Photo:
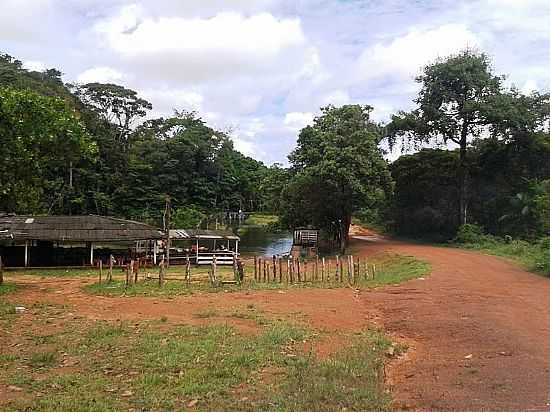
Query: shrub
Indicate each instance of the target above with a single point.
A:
(470, 233)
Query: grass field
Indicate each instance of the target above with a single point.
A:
(66, 363)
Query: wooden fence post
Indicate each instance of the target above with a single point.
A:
(111, 259)
(255, 269)
(337, 268)
(161, 272)
(100, 271)
(274, 268)
(1, 271)
(373, 271)
(136, 271)
(188, 271)
(323, 270)
(265, 271)
(299, 270)
(287, 271)
(280, 270)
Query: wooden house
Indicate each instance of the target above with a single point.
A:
(43, 241)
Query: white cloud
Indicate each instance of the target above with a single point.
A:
(296, 121)
(404, 56)
(201, 49)
(100, 75)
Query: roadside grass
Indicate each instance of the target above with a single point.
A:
(148, 366)
(6, 288)
(390, 269)
(535, 257)
(260, 219)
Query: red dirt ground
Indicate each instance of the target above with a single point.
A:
(478, 328)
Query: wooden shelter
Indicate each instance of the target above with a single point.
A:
(73, 240)
(201, 246)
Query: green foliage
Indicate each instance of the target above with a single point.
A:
(470, 233)
(337, 169)
(116, 169)
(534, 256)
(40, 138)
(462, 99)
(187, 218)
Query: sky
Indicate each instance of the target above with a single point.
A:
(261, 69)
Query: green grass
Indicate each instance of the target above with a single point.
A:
(57, 273)
(153, 366)
(260, 219)
(6, 288)
(534, 257)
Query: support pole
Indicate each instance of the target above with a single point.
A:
(26, 253)
(154, 252)
(91, 254)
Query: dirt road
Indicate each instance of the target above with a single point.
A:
(478, 328)
(481, 332)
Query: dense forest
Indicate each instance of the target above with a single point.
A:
(482, 158)
(85, 149)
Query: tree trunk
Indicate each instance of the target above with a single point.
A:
(344, 233)
(463, 176)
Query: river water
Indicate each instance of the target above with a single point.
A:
(259, 242)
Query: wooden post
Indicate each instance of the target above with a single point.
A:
(127, 275)
(305, 270)
(274, 268)
(167, 224)
(161, 272)
(215, 271)
(255, 269)
(136, 271)
(240, 270)
(337, 268)
(188, 271)
(351, 266)
(299, 271)
(373, 271)
(154, 252)
(280, 270)
(26, 253)
(1, 271)
(287, 271)
(235, 270)
(100, 271)
(91, 254)
(323, 269)
(291, 263)
(341, 272)
(316, 268)
(111, 259)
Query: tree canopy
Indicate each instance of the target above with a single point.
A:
(337, 168)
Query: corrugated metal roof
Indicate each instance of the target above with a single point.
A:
(75, 228)
(202, 234)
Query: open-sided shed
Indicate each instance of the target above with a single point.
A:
(201, 246)
(71, 240)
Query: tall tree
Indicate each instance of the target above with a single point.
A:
(116, 104)
(41, 138)
(337, 166)
(454, 106)
(462, 99)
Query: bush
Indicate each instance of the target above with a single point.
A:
(470, 233)
(544, 243)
